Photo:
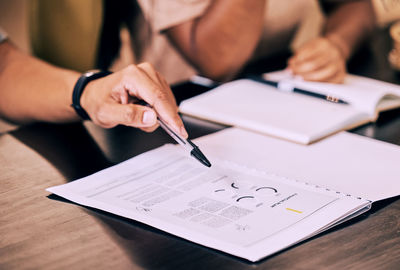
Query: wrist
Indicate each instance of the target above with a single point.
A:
(79, 88)
(70, 79)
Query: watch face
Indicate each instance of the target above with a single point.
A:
(88, 73)
(3, 35)
(91, 72)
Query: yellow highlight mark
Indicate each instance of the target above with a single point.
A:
(297, 211)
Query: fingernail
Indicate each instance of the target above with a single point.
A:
(149, 117)
(184, 132)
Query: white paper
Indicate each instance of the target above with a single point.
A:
(345, 162)
(239, 210)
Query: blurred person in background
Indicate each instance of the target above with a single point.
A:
(218, 38)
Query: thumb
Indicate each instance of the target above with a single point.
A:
(128, 115)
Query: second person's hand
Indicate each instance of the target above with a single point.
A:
(319, 60)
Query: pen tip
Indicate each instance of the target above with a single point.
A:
(196, 153)
(207, 163)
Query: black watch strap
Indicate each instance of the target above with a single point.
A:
(80, 86)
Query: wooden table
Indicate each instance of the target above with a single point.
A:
(38, 231)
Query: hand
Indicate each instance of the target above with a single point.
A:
(109, 100)
(319, 60)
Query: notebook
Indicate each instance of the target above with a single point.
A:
(253, 201)
(300, 118)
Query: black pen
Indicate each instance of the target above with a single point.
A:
(298, 90)
(193, 149)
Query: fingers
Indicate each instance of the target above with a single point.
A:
(321, 69)
(308, 50)
(329, 73)
(109, 100)
(120, 95)
(311, 64)
(145, 83)
(319, 60)
(149, 129)
(112, 114)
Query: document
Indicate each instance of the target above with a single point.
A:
(244, 204)
(300, 118)
(346, 162)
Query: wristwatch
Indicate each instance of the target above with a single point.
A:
(3, 35)
(80, 86)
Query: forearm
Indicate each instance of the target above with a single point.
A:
(32, 90)
(220, 42)
(349, 24)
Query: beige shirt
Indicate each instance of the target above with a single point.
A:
(286, 25)
(66, 32)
